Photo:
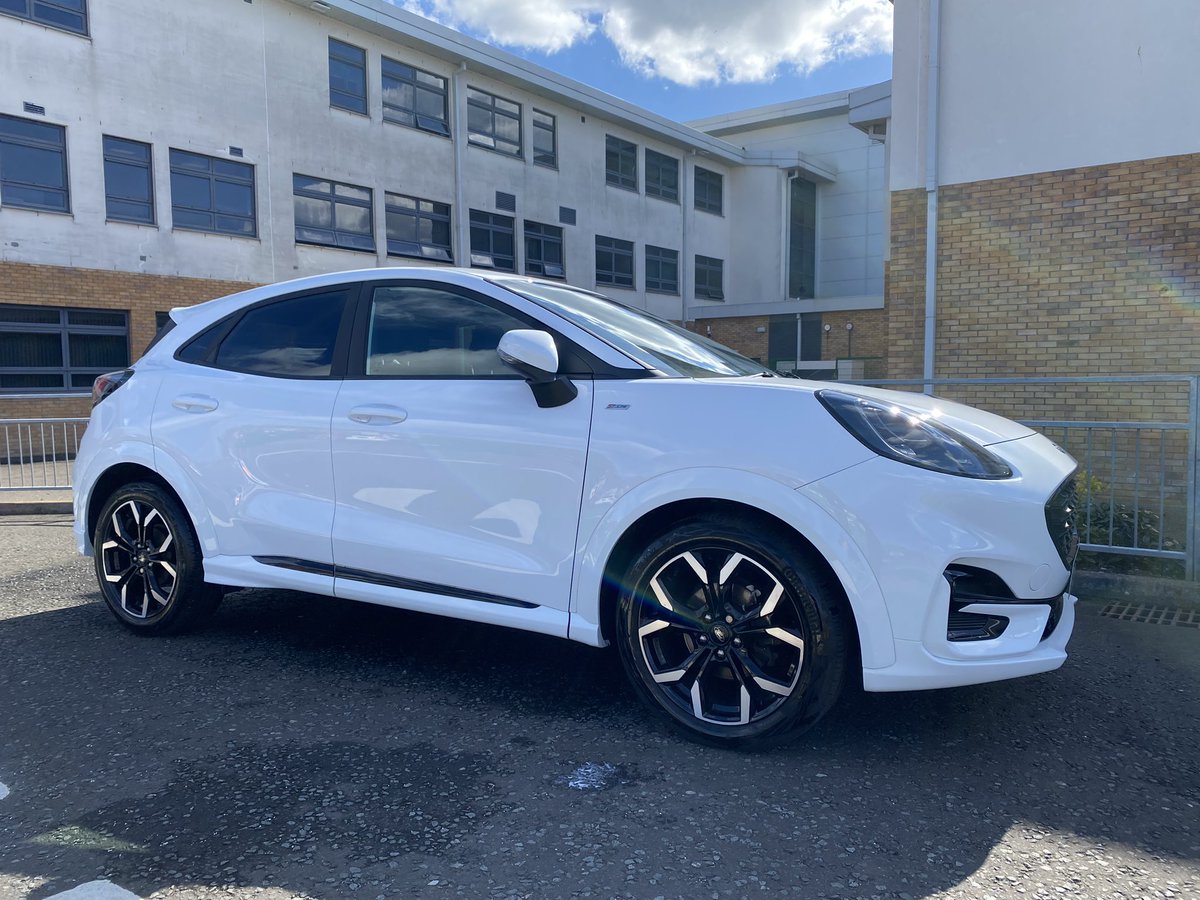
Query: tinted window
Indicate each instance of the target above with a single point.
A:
(427, 333)
(210, 194)
(128, 181)
(620, 162)
(69, 15)
(347, 77)
(33, 165)
(52, 348)
(414, 98)
(292, 338)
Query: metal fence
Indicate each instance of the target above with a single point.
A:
(1135, 438)
(38, 454)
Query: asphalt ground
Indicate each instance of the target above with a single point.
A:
(302, 746)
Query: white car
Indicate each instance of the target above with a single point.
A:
(524, 453)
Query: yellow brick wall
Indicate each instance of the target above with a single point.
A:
(140, 295)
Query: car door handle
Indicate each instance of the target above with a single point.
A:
(377, 415)
(195, 403)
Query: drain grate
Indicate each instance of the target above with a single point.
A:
(1152, 615)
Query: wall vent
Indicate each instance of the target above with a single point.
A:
(566, 215)
(506, 202)
(236, 151)
(34, 109)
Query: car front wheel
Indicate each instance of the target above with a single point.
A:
(148, 562)
(728, 628)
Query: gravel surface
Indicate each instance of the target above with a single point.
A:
(303, 746)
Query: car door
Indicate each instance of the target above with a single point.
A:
(455, 491)
(246, 414)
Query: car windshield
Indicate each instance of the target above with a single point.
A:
(649, 339)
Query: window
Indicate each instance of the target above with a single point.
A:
(614, 262)
(414, 98)
(51, 349)
(662, 270)
(418, 228)
(545, 139)
(292, 338)
(710, 277)
(620, 162)
(802, 239)
(492, 241)
(428, 332)
(209, 194)
(33, 164)
(333, 214)
(544, 250)
(493, 122)
(128, 181)
(69, 15)
(347, 77)
(662, 176)
(708, 190)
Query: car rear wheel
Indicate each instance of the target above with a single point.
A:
(730, 630)
(148, 562)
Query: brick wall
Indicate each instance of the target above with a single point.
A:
(739, 333)
(140, 295)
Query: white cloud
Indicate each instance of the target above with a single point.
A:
(686, 41)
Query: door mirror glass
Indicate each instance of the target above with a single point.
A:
(532, 353)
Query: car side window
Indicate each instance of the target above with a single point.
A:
(426, 332)
(293, 338)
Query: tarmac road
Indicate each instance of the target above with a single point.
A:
(302, 746)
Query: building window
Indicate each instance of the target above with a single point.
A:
(802, 239)
(493, 122)
(492, 241)
(128, 181)
(614, 262)
(417, 228)
(414, 98)
(662, 270)
(209, 194)
(69, 15)
(347, 77)
(45, 348)
(33, 165)
(710, 278)
(620, 162)
(333, 214)
(545, 139)
(662, 176)
(544, 250)
(708, 190)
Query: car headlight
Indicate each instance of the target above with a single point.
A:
(912, 437)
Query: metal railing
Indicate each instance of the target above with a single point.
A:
(38, 454)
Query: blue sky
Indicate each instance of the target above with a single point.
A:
(687, 59)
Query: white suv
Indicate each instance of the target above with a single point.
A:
(524, 453)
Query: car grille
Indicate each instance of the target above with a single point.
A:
(1060, 521)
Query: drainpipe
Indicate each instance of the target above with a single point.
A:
(462, 220)
(931, 189)
(685, 203)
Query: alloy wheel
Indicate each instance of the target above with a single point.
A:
(138, 559)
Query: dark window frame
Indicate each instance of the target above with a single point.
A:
(705, 268)
(706, 182)
(214, 179)
(30, 14)
(488, 140)
(148, 165)
(45, 146)
(656, 258)
(64, 328)
(334, 200)
(542, 158)
(436, 213)
(538, 236)
(357, 60)
(620, 163)
(411, 117)
(656, 164)
(493, 224)
(608, 250)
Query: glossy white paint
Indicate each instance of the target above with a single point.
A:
(530, 349)
(466, 486)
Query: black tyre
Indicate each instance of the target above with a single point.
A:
(729, 630)
(148, 562)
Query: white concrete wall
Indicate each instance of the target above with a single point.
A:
(1035, 86)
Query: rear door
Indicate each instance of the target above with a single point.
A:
(247, 416)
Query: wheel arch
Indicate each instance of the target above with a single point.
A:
(651, 508)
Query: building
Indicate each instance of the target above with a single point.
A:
(150, 159)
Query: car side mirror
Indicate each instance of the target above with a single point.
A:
(534, 355)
